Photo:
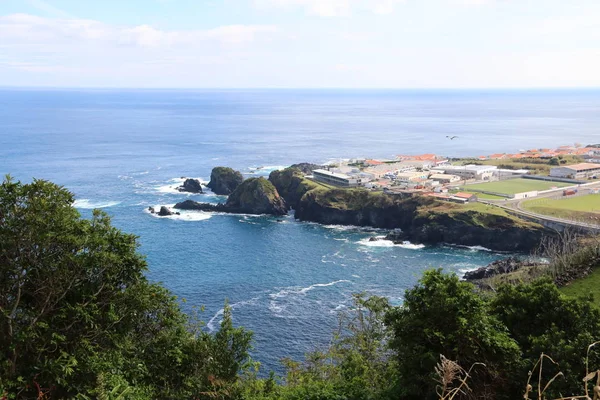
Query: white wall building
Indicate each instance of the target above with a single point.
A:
(334, 178)
(576, 171)
(477, 172)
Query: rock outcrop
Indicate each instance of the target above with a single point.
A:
(253, 196)
(164, 212)
(306, 168)
(191, 186)
(504, 266)
(420, 219)
(224, 180)
(289, 183)
(257, 196)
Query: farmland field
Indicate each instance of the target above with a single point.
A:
(519, 185)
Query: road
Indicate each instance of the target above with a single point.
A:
(516, 206)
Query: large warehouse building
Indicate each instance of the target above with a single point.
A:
(576, 171)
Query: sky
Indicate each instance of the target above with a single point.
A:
(300, 43)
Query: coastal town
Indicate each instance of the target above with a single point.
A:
(495, 177)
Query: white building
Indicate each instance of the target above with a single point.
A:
(576, 171)
(444, 178)
(406, 177)
(477, 172)
(334, 178)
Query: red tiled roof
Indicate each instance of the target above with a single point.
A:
(464, 195)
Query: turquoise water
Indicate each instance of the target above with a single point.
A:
(125, 150)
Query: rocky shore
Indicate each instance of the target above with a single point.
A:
(416, 219)
(253, 196)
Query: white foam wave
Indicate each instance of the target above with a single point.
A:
(288, 291)
(171, 187)
(184, 215)
(382, 242)
(90, 204)
(479, 248)
(211, 322)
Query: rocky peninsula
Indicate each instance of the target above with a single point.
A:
(253, 196)
(417, 219)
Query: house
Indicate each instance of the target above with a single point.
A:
(576, 171)
(462, 197)
(444, 178)
(408, 177)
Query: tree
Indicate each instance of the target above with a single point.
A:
(78, 317)
(541, 319)
(554, 161)
(444, 316)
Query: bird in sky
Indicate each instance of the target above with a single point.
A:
(451, 137)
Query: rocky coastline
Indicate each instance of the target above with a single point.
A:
(416, 219)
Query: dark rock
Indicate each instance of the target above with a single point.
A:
(224, 180)
(164, 211)
(374, 239)
(498, 267)
(151, 209)
(191, 186)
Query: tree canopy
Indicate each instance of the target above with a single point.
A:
(78, 317)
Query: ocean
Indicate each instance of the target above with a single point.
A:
(125, 150)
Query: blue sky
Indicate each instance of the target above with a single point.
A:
(300, 43)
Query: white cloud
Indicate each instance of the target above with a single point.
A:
(25, 28)
(333, 8)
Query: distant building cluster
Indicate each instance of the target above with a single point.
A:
(432, 175)
(576, 150)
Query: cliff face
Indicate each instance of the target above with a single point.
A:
(257, 196)
(355, 207)
(253, 196)
(224, 180)
(421, 219)
(464, 228)
(289, 184)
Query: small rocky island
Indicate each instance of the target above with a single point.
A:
(191, 186)
(253, 196)
(224, 180)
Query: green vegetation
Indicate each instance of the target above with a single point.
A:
(590, 285)
(519, 185)
(585, 207)
(78, 319)
(537, 166)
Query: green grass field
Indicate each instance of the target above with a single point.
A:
(585, 286)
(587, 206)
(519, 185)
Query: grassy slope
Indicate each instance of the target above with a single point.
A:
(582, 287)
(519, 185)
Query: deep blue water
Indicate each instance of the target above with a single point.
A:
(125, 150)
